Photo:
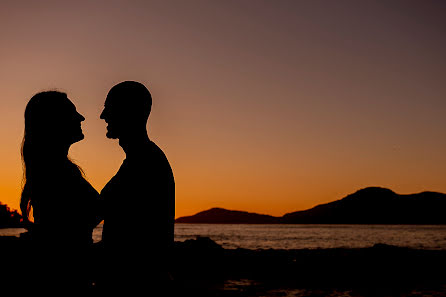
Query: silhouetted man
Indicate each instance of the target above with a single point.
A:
(139, 200)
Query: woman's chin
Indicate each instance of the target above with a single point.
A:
(79, 137)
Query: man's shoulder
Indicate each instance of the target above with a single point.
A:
(154, 152)
(149, 159)
(154, 148)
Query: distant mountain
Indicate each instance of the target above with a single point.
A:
(376, 206)
(224, 216)
(371, 205)
(8, 218)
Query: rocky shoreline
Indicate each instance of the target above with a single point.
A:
(203, 268)
(367, 271)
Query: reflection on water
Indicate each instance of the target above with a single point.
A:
(302, 236)
(316, 236)
(253, 288)
(11, 231)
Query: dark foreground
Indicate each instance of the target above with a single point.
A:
(381, 270)
(203, 268)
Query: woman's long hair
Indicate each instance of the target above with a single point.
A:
(41, 112)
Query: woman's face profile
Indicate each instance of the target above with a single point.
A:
(64, 122)
(52, 120)
(71, 121)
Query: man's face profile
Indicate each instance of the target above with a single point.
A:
(126, 109)
(110, 116)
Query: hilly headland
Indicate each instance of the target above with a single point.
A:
(372, 205)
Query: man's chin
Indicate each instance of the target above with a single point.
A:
(111, 135)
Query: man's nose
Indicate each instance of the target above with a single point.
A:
(81, 117)
(102, 116)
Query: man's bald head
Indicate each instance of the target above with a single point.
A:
(127, 108)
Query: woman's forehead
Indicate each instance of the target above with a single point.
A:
(63, 106)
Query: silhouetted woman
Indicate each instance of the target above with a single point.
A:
(64, 205)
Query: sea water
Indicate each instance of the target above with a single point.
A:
(303, 236)
(316, 236)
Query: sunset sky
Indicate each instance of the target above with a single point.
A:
(264, 106)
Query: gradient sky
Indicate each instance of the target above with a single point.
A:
(266, 106)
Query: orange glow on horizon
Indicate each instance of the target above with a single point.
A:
(259, 107)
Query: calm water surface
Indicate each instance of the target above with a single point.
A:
(316, 236)
(304, 236)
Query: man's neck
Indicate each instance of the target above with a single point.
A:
(133, 143)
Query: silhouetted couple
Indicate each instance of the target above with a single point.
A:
(137, 204)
